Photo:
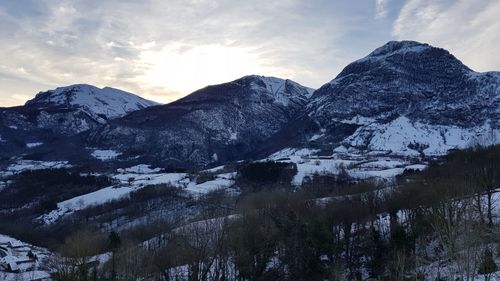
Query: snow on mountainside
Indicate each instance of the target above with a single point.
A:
(256, 89)
(106, 103)
(55, 115)
(410, 98)
(403, 137)
(278, 87)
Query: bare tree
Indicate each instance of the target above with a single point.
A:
(457, 230)
(73, 260)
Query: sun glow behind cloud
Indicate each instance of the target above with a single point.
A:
(163, 50)
(182, 69)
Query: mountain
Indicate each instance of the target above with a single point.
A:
(407, 98)
(216, 124)
(101, 104)
(62, 113)
(404, 99)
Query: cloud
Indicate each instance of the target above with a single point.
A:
(468, 29)
(381, 8)
(175, 47)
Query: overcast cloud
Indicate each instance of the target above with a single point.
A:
(164, 50)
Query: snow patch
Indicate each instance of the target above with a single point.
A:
(132, 179)
(105, 154)
(140, 169)
(33, 144)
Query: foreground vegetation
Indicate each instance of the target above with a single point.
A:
(439, 224)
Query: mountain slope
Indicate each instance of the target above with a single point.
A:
(105, 103)
(61, 113)
(408, 98)
(72, 109)
(218, 123)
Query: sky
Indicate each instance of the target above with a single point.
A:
(165, 49)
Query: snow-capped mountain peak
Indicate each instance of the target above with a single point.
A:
(399, 47)
(106, 103)
(406, 57)
(408, 97)
(254, 88)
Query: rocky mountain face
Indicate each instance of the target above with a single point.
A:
(219, 123)
(407, 98)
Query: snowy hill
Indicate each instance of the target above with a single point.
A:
(219, 123)
(107, 103)
(57, 115)
(408, 98)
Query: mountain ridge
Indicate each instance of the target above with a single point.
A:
(61, 114)
(402, 85)
(217, 123)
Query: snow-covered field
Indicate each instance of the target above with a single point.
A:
(132, 179)
(105, 155)
(377, 166)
